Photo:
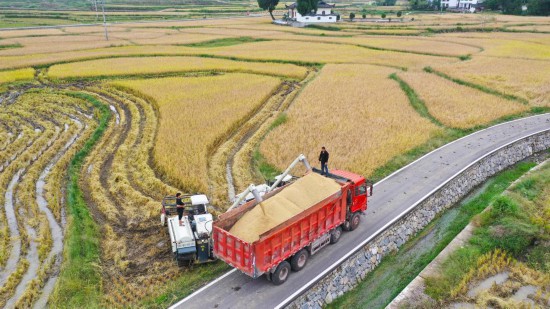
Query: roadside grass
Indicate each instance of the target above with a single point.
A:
(516, 223)
(225, 42)
(397, 270)
(79, 284)
(187, 284)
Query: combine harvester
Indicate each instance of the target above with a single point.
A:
(191, 241)
(277, 232)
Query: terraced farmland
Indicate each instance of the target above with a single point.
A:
(94, 133)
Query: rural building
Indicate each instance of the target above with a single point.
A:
(324, 14)
(461, 4)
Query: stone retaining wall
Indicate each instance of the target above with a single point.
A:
(348, 274)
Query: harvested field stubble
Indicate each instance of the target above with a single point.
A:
(34, 245)
(456, 105)
(359, 118)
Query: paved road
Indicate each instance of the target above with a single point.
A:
(393, 196)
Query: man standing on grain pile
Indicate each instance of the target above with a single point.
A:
(323, 157)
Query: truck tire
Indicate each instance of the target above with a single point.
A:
(299, 260)
(335, 235)
(354, 221)
(281, 273)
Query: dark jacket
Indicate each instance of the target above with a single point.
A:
(323, 156)
(179, 202)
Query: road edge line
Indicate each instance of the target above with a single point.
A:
(202, 289)
(404, 213)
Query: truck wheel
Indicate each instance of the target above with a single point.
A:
(355, 220)
(299, 260)
(281, 273)
(335, 235)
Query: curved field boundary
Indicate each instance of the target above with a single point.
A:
(79, 274)
(394, 198)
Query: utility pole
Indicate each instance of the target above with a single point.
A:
(104, 20)
(96, 12)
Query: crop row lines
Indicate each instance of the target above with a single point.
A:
(32, 262)
(123, 192)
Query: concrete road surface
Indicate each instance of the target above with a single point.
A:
(393, 196)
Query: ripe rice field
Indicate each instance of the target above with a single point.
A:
(158, 65)
(94, 133)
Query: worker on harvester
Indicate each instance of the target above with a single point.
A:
(180, 207)
(323, 158)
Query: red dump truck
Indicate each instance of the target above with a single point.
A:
(288, 245)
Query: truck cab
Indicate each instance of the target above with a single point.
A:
(358, 192)
(356, 196)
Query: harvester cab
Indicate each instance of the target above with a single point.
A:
(191, 240)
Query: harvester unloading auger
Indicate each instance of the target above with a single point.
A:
(281, 179)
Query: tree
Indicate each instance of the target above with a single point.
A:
(351, 16)
(305, 7)
(383, 15)
(268, 5)
(399, 13)
(538, 7)
(534, 7)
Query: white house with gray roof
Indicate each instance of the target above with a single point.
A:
(324, 14)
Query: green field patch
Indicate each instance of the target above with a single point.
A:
(79, 284)
(225, 42)
(9, 46)
(415, 101)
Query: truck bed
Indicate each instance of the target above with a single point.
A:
(255, 238)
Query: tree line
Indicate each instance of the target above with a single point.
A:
(515, 7)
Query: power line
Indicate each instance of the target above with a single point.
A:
(104, 19)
